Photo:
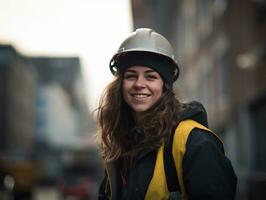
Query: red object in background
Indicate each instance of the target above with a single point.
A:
(75, 182)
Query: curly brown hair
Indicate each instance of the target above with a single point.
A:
(119, 134)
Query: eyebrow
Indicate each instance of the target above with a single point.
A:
(147, 71)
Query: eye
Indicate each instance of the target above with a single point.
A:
(130, 76)
(152, 76)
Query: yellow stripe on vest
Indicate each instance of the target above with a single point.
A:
(157, 189)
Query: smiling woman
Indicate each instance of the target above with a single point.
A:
(147, 136)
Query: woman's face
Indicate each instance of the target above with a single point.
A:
(142, 87)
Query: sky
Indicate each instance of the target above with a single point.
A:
(90, 29)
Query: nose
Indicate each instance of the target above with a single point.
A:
(140, 82)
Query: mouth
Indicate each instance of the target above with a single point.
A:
(140, 96)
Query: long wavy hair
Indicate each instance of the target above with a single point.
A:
(119, 135)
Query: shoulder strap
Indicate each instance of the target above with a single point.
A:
(169, 167)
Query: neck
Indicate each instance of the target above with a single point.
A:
(138, 116)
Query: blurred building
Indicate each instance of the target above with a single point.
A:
(221, 49)
(43, 115)
(17, 120)
(61, 105)
(63, 122)
(17, 100)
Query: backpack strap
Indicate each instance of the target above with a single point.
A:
(169, 167)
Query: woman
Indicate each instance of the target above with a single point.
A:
(139, 115)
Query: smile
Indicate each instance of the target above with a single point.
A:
(140, 95)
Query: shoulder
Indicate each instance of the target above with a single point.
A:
(199, 137)
(203, 147)
(192, 134)
(207, 172)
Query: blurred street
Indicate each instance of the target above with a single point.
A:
(44, 193)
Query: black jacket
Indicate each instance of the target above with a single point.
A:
(207, 172)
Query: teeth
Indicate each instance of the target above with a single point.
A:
(140, 95)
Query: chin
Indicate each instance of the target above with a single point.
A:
(140, 110)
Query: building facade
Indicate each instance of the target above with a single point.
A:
(18, 87)
(220, 47)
